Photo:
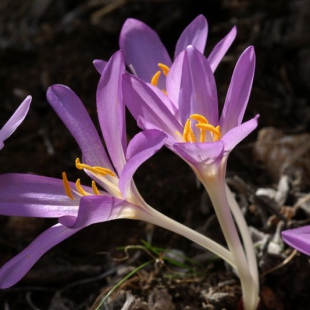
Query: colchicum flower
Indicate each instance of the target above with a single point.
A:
(14, 121)
(186, 109)
(298, 238)
(143, 49)
(78, 206)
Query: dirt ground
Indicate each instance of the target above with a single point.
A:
(44, 42)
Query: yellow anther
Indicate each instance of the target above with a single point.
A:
(80, 188)
(95, 188)
(155, 78)
(215, 130)
(67, 186)
(188, 134)
(199, 118)
(204, 126)
(164, 68)
(95, 169)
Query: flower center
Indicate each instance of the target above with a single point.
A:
(204, 127)
(94, 169)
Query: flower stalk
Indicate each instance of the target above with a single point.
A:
(217, 192)
(161, 220)
(245, 235)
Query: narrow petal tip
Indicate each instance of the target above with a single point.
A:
(99, 65)
(15, 120)
(250, 51)
(55, 89)
(195, 33)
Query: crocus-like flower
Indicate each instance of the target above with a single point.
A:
(143, 49)
(186, 109)
(298, 238)
(14, 121)
(75, 206)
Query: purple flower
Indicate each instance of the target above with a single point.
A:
(74, 205)
(187, 110)
(15, 120)
(143, 49)
(298, 238)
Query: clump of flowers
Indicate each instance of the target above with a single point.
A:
(112, 194)
(175, 103)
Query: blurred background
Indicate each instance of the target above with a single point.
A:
(43, 42)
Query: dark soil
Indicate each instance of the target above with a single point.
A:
(44, 42)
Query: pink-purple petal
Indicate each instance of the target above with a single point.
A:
(72, 112)
(298, 238)
(99, 65)
(143, 146)
(198, 93)
(143, 50)
(17, 267)
(200, 154)
(165, 99)
(194, 34)
(94, 209)
(221, 48)
(35, 196)
(239, 91)
(145, 125)
(237, 134)
(144, 143)
(142, 101)
(111, 110)
(15, 120)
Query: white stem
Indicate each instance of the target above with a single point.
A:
(245, 235)
(159, 219)
(217, 192)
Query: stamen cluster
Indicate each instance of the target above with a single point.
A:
(204, 126)
(96, 170)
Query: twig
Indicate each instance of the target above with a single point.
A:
(287, 260)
